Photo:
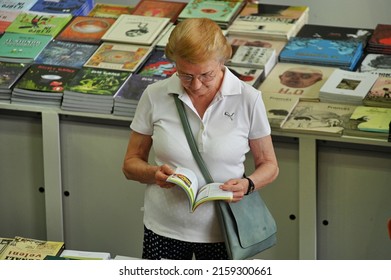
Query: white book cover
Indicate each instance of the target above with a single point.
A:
(249, 56)
(279, 107)
(136, 29)
(347, 86)
(377, 64)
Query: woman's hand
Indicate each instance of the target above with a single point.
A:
(162, 174)
(237, 186)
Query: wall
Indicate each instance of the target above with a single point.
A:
(348, 13)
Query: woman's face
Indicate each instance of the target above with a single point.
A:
(201, 78)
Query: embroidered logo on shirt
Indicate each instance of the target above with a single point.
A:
(231, 116)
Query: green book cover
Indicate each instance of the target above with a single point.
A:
(30, 22)
(22, 47)
(102, 82)
(46, 78)
(217, 10)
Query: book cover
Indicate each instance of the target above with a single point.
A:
(85, 255)
(22, 248)
(256, 57)
(330, 32)
(22, 47)
(165, 35)
(251, 76)
(42, 78)
(319, 118)
(85, 29)
(159, 8)
(279, 107)
(73, 7)
(345, 86)
(236, 40)
(381, 37)
(322, 52)
(303, 81)
(371, 119)
(222, 12)
(102, 83)
(377, 64)
(380, 93)
(16, 5)
(110, 10)
(4, 241)
(29, 22)
(64, 53)
(119, 56)
(6, 18)
(10, 72)
(187, 180)
(290, 13)
(136, 29)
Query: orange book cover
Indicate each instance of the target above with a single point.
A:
(110, 10)
(159, 8)
(85, 29)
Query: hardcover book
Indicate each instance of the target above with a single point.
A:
(187, 181)
(22, 48)
(16, 5)
(159, 8)
(10, 72)
(279, 107)
(6, 18)
(73, 7)
(380, 41)
(223, 12)
(64, 53)
(30, 22)
(380, 93)
(372, 119)
(236, 40)
(22, 248)
(301, 80)
(336, 53)
(319, 118)
(117, 56)
(110, 10)
(135, 29)
(377, 64)
(85, 29)
(347, 87)
(335, 33)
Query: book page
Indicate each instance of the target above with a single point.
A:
(187, 180)
(211, 192)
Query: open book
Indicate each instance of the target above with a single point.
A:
(187, 180)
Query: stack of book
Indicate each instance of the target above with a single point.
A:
(223, 12)
(269, 21)
(347, 87)
(42, 85)
(380, 41)
(324, 52)
(10, 72)
(73, 7)
(156, 68)
(92, 90)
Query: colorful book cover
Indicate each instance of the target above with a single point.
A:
(321, 51)
(292, 13)
(373, 119)
(157, 65)
(64, 53)
(22, 47)
(39, 23)
(10, 72)
(110, 10)
(380, 93)
(381, 36)
(294, 79)
(101, 82)
(159, 8)
(74, 7)
(17, 5)
(136, 29)
(222, 11)
(118, 56)
(46, 78)
(6, 18)
(85, 29)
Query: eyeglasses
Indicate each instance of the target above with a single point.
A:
(203, 78)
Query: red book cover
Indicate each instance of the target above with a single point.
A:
(159, 8)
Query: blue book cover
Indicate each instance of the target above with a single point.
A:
(74, 7)
(321, 51)
(63, 53)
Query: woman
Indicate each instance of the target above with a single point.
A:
(227, 118)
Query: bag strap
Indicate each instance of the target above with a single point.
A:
(191, 140)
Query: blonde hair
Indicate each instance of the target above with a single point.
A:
(198, 40)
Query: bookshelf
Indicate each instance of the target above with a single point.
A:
(324, 181)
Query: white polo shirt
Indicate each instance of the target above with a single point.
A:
(236, 115)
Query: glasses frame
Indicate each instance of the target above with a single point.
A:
(203, 78)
